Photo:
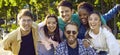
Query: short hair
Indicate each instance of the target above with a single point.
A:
(66, 4)
(71, 23)
(86, 5)
(25, 12)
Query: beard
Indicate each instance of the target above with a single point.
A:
(71, 41)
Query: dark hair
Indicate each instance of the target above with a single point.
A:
(71, 23)
(57, 32)
(87, 36)
(25, 12)
(86, 5)
(66, 4)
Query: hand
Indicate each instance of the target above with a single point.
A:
(55, 44)
(47, 44)
(86, 43)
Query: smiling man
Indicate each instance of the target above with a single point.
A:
(23, 40)
(72, 45)
(66, 15)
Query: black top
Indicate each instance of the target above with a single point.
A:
(73, 51)
(27, 45)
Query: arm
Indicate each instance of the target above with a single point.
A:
(58, 51)
(110, 14)
(112, 43)
(6, 43)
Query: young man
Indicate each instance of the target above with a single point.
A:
(72, 45)
(23, 40)
(66, 14)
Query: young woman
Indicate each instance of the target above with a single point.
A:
(101, 39)
(50, 36)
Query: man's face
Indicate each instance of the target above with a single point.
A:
(25, 23)
(71, 33)
(65, 13)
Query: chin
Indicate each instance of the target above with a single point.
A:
(92, 28)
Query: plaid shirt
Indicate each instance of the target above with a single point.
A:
(62, 49)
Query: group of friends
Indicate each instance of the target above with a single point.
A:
(81, 33)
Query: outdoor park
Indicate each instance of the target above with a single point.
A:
(40, 8)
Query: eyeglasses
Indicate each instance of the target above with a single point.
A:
(73, 32)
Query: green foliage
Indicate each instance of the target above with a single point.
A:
(40, 8)
(118, 24)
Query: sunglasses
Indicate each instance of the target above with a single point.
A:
(73, 32)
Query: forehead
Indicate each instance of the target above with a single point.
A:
(81, 10)
(52, 19)
(94, 15)
(71, 27)
(25, 17)
(61, 8)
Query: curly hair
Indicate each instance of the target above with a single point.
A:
(86, 5)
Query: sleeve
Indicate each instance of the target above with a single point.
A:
(41, 24)
(6, 43)
(91, 51)
(58, 51)
(110, 14)
(112, 43)
(61, 34)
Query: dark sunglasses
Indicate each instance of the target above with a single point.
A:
(73, 32)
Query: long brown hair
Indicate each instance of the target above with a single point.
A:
(57, 32)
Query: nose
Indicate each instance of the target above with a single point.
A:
(81, 17)
(64, 13)
(71, 33)
(51, 24)
(27, 22)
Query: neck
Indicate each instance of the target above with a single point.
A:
(96, 31)
(68, 21)
(74, 45)
(24, 33)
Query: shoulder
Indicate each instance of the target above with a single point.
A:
(41, 24)
(12, 35)
(80, 42)
(14, 32)
(61, 33)
(105, 31)
(34, 26)
(62, 45)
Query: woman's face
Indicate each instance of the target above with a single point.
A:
(94, 21)
(83, 15)
(51, 24)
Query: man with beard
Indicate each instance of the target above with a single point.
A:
(72, 45)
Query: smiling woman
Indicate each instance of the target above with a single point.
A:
(101, 39)
(49, 35)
